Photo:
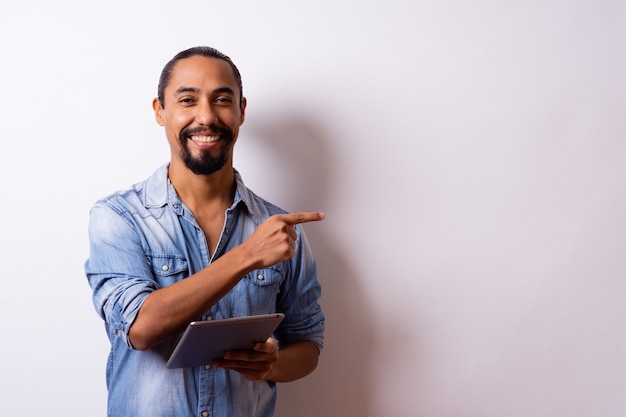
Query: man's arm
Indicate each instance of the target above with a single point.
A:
(166, 311)
(266, 362)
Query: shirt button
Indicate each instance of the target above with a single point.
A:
(165, 267)
(260, 277)
(205, 414)
(226, 230)
(207, 367)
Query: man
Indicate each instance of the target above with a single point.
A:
(192, 242)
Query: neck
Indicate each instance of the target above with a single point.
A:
(203, 192)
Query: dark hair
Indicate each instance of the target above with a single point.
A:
(205, 51)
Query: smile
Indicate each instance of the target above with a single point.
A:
(205, 139)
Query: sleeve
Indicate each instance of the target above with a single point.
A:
(304, 319)
(117, 270)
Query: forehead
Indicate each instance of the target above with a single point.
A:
(202, 73)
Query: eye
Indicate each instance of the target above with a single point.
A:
(223, 100)
(186, 101)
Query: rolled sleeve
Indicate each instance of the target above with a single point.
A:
(304, 319)
(117, 270)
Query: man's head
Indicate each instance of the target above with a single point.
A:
(205, 51)
(201, 107)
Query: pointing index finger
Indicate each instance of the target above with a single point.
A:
(303, 217)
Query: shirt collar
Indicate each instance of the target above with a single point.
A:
(159, 192)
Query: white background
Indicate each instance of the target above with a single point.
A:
(470, 158)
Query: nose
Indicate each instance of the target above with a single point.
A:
(205, 113)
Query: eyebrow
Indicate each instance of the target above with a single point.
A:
(183, 90)
(219, 90)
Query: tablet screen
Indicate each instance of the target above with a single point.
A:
(204, 341)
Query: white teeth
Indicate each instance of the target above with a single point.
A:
(205, 139)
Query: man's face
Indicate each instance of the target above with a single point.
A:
(201, 113)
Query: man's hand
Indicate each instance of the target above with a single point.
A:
(255, 364)
(275, 239)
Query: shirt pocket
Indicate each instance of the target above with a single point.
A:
(265, 277)
(255, 294)
(168, 269)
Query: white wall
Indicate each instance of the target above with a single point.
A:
(470, 157)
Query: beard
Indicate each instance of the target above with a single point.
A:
(205, 163)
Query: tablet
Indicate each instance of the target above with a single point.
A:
(204, 341)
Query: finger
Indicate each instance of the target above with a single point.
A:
(259, 353)
(291, 231)
(303, 217)
(269, 346)
(241, 355)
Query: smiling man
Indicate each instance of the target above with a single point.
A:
(193, 243)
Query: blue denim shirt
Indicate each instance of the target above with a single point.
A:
(145, 238)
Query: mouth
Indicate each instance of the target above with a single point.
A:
(204, 139)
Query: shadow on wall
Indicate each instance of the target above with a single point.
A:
(342, 384)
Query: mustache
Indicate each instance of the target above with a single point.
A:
(211, 130)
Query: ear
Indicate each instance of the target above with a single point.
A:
(243, 110)
(158, 111)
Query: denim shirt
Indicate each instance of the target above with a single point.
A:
(145, 238)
